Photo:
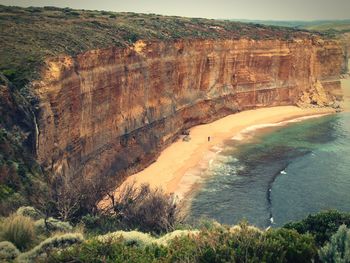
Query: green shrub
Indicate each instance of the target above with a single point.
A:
(184, 249)
(101, 224)
(130, 238)
(142, 239)
(114, 251)
(29, 211)
(19, 230)
(52, 8)
(10, 73)
(338, 249)
(34, 9)
(5, 192)
(322, 225)
(294, 247)
(73, 13)
(246, 242)
(8, 251)
(243, 244)
(164, 240)
(52, 225)
(218, 244)
(50, 244)
(9, 204)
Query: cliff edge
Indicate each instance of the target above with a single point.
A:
(109, 91)
(110, 111)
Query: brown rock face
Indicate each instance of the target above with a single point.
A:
(110, 112)
(345, 41)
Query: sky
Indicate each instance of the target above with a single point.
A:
(222, 9)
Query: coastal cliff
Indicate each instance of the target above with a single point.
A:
(109, 112)
(100, 94)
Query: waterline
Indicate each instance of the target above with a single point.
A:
(271, 188)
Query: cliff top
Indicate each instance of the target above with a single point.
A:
(29, 35)
(330, 27)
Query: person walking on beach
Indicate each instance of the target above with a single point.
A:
(208, 138)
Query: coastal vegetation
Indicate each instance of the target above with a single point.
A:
(323, 237)
(337, 26)
(50, 31)
(324, 26)
(322, 225)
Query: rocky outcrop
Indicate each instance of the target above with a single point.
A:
(109, 112)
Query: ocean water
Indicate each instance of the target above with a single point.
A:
(281, 173)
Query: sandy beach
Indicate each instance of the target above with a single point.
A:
(346, 93)
(168, 172)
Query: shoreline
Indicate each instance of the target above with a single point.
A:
(168, 172)
(194, 177)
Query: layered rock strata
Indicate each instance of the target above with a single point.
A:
(110, 112)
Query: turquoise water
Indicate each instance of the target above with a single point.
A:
(281, 175)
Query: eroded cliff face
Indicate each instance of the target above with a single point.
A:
(110, 112)
(345, 41)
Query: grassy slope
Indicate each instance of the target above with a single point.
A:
(27, 35)
(337, 26)
(342, 26)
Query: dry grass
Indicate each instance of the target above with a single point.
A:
(19, 230)
(146, 209)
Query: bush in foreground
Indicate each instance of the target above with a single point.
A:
(243, 245)
(143, 208)
(8, 251)
(293, 247)
(134, 238)
(49, 245)
(338, 249)
(19, 230)
(29, 211)
(101, 223)
(139, 239)
(221, 244)
(322, 225)
(114, 251)
(52, 225)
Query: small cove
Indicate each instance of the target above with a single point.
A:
(280, 172)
